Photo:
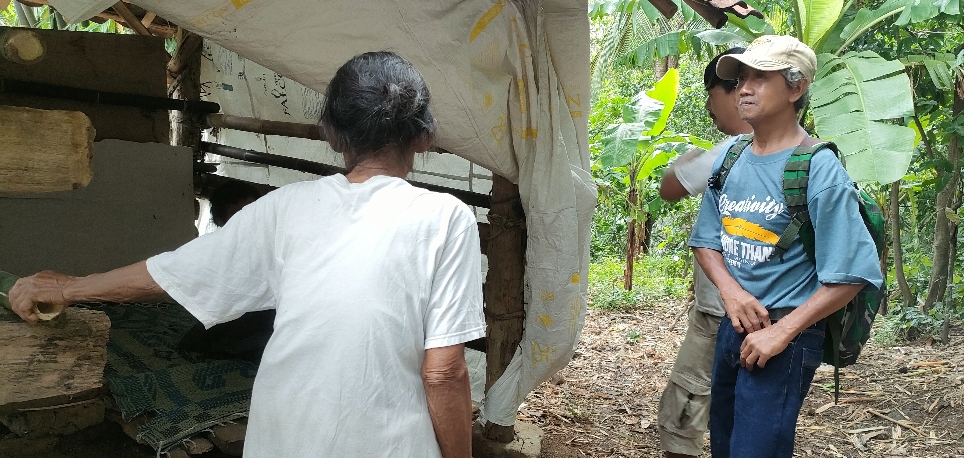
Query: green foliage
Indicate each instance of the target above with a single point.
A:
(853, 97)
(904, 323)
(45, 17)
(655, 278)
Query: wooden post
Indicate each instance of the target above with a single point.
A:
(503, 290)
(185, 69)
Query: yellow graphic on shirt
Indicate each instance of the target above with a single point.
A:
(746, 229)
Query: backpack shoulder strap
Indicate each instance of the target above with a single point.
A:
(732, 154)
(796, 177)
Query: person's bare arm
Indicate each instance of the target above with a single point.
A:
(745, 312)
(759, 347)
(130, 283)
(670, 188)
(446, 380)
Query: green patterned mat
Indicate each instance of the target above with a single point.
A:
(146, 373)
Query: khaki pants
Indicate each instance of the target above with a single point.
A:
(684, 406)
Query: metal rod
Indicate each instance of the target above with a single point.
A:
(261, 126)
(469, 198)
(107, 98)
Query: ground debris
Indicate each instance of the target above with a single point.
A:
(896, 401)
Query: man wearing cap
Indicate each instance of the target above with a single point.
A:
(770, 342)
(684, 405)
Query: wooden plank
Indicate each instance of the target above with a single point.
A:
(52, 363)
(44, 150)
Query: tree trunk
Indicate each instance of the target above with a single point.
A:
(631, 243)
(663, 65)
(646, 238)
(945, 202)
(902, 285)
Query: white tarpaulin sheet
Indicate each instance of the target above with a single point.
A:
(510, 88)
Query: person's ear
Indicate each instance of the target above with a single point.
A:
(798, 91)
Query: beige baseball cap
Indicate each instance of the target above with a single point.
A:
(770, 53)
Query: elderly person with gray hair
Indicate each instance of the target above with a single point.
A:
(770, 342)
(376, 283)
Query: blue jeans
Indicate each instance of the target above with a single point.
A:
(753, 414)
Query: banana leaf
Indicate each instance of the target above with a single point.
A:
(854, 99)
(816, 18)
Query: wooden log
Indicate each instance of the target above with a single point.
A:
(44, 150)
(52, 372)
(503, 289)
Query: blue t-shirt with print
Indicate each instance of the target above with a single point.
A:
(744, 220)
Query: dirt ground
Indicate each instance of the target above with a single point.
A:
(603, 404)
(903, 401)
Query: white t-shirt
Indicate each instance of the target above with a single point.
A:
(694, 175)
(365, 278)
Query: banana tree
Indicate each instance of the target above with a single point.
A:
(857, 96)
(638, 147)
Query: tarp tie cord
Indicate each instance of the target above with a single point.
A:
(521, 314)
(502, 223)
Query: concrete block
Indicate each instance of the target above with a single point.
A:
(527, 443)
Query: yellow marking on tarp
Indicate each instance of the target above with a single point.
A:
(547, 296)
(575, 278)
(529, 133)
(217, 13)
(487, 100)
(545, 319)
(575, 306)
(486, 19)
(540, 353)
(573, 103)
(522, 95)
(577, 100)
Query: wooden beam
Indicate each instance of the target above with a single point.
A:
(157, 30)
(132, 21)
(148, 19)
(503, 289)
(186, 127)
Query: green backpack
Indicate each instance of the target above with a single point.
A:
(848, 329)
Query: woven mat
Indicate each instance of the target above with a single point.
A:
(146, 373)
